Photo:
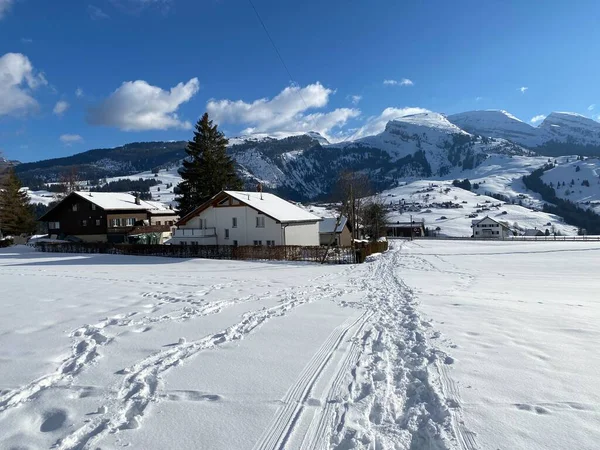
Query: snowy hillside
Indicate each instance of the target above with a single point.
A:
(449, 210)
(577, 181)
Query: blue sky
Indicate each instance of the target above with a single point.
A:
(103, 73)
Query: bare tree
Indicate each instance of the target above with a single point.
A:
(374, 218)
(349, 193)
(69, 182)
(352, 190)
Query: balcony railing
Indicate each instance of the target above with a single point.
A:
(139, 229)
(195, 232)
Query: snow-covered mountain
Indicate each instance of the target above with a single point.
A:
(571, 128)
(560, 133)
(306, 166)
(415, 146)
(499, 124)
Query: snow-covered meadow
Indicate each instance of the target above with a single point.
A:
(432, 345)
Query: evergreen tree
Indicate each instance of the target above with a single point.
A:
(16, 214)
(207, 169)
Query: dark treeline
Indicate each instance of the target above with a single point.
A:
(124, 185)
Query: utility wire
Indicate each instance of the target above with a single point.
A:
(277, 51)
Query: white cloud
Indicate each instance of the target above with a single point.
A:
(538, 118)
(285, 113)
(17, 81)
(78, 92)
(523, 89)
(69, 139)
(376, 124)
(591, 107)
(26, 40)
(4, 7)
(355, 99)
(402, 82)
(60, 107)
(96, 13)
(137, 106)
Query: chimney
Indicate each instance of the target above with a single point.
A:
(137, 199)
(259, 189)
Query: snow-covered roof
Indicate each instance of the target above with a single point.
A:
(328, 225)
(121, 200)
(533, 232)
(273, 206)
(475, 222)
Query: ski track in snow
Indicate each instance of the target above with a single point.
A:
(394, 399)
(139, 388)
(300, 394)
(390, 389)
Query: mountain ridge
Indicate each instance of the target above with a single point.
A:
(306, 166)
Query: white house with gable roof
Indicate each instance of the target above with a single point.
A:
(490, 228)
(247, 218)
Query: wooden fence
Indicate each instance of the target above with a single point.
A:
(335, 255)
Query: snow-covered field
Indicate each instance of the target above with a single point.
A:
(102, 351)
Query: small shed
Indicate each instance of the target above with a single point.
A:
(339, 235)
(415, 228)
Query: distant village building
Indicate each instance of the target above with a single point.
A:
(247, 218)
(339, 236)
(109, 217)
(533, 232)
(490, 228)
(416, 228)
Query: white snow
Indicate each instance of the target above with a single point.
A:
(105, 351)
(520, 321)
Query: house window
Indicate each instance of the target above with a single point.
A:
(224, 202)
(84, 222)
(257, 243)
(170, 223)
(158, 222)
(260, 222)
(183, 243)
(53, 225)
(75, 207)
(130, 222)
(235, 243)
(226, 233)
(234, 222)
(93, 207)
(98, 222)
(270, 243)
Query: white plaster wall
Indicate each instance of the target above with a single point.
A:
(302, 234)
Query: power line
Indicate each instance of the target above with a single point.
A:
(276, 50)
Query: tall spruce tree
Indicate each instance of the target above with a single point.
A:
(16, 213)
(207, 169)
